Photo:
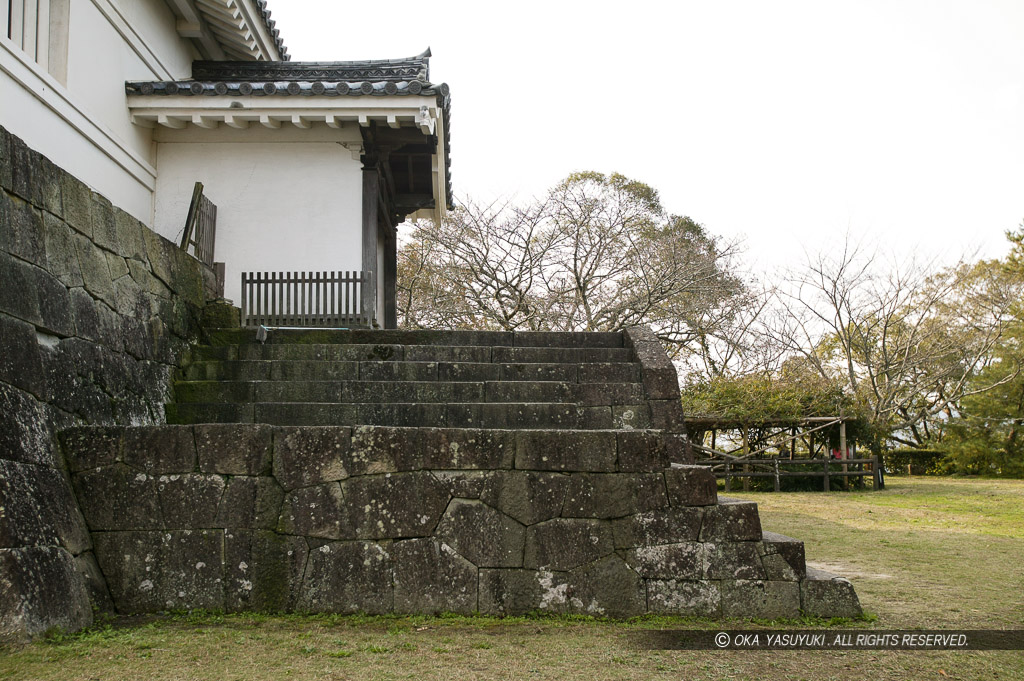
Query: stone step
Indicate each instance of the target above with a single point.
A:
(543, 339)
(502, 415)
(354, 352)
(586, 394)
(314, 370)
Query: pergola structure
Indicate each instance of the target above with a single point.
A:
(744, 449)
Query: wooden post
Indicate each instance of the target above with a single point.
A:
(390, 281)
(746, 452)
(826, 486)
(874, 473)
(792, 445)
(371, 190)
(728, 475)
(775, 463)
(842, 453)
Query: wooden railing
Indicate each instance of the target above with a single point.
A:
(776, 468)
(308, 299)
(200, 226)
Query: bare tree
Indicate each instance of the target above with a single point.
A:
(904, 339)
(597, 253)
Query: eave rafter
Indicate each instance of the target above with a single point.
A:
(230, 29)
(178, 111)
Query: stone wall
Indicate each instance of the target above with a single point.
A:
(418, 520)
(95, 312)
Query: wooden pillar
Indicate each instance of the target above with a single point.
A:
(825, 486)
(390, 281)
(746, 452)
(842, 453)
(776, 469)
(371, 191)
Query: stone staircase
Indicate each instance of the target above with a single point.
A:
(572, 381)
(428, 471)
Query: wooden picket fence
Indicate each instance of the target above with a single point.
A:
(306, 299)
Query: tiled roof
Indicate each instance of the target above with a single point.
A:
(271, 27)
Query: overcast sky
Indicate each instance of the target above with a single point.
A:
(787, 123)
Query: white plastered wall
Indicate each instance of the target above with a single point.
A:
(82, 122)
(287, 199)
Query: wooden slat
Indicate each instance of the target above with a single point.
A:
(323, 299)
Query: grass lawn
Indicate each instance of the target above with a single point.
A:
(924, 553)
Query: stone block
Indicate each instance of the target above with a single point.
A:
(24, 171)
(543, 450)
(49, 190)
(118, 498)
(251, 503)
(95, 583)
(309, 455)
(823, 594)
(512, 592)
(61, 253)
(731, 521)
(667, 415)
(527, 496)
(668, 526)
(462, 484)
(160, 450)
(22, 506)
(95, 273)
(412, 449)
(17, 290)
(568, 339)
(734, 560)
(172, 570)
(23, 235)
(104, 230)
(682, 561)
(40, 590)
(607, 588)
(642, 451)
(262, 571)
(631, 417)
(686, 599)
(567, 543)
(117, 265)
(55, 315)
(77, 199)
(6, 160)
(613, 495)
(21, 364)
(25, 427)
(83, 311)
(522, 371)
(481, 534)
(159, 256)
(139, 272)
(464, 371)
(783, 557)
(87, 447)
(394, 505)
(431, 578)
(762, 599)
(691, 486)
(348, 577)
(130, 242)
(659, 374)
(190, 500)
(234, 449)
(318, 511)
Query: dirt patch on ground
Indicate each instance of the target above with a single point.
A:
(846, 570)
